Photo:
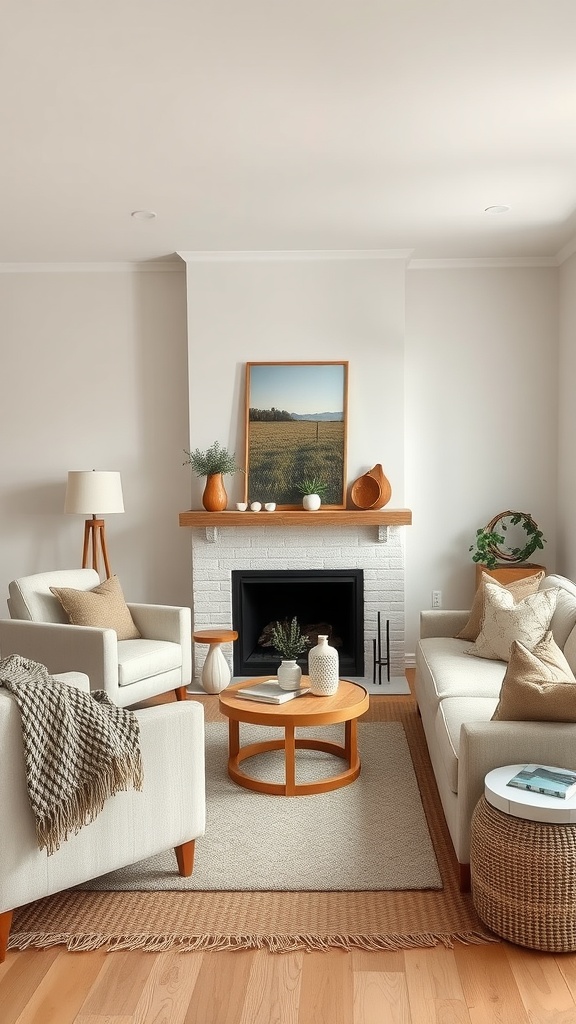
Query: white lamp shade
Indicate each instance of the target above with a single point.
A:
(93, 493)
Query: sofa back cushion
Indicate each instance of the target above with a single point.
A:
(564, 618)
(31, 599)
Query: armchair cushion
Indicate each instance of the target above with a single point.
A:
(104, 607)
(142, 659)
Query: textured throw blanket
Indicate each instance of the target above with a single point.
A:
(79, 749)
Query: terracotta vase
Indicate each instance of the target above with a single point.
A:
(214, 498)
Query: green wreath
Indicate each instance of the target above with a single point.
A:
(490, 538)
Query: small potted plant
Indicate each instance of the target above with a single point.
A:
(289, 641)
(213, 464)
(313, 490)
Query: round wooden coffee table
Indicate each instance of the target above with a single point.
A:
(346, 705)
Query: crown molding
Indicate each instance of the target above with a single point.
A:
(474, 263)
(291, 255)
(566, 251)
(165, 267)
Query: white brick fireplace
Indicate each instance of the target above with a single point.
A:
(378, 551)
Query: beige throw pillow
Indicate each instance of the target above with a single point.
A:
(505, 621)
(519, 590)
(539, 685)
(104, 606)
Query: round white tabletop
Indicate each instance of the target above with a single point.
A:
(521, 803)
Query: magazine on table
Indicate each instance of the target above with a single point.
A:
(270, 692)
(538, 778)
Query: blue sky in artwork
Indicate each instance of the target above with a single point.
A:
(303, 389)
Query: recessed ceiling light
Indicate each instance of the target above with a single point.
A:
(496, 209)
(143, 214)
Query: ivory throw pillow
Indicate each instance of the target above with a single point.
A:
(505, 621)
(539, 685)
(519, 590)
(104, 606)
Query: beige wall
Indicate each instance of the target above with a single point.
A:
(254, 310)
(481, 413)
(459, 403)
(94, 375)
(567, 420)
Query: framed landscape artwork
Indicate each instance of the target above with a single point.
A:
(296, 429)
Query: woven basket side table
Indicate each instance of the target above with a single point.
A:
(524, 878)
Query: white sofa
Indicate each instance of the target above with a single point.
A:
(168, 812)
(457, 695)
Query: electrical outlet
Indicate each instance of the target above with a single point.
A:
(436, 598)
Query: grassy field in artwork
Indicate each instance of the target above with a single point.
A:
(283, 453)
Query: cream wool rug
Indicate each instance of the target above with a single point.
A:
(371, 835)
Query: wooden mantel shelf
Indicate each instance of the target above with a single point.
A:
(297, 517)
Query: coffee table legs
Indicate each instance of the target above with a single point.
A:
(290, 744)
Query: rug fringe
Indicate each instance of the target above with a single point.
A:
(273, 943)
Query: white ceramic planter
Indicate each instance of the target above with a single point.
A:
(311, 502)
(289, 675)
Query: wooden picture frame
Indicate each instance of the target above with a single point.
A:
(296, 428)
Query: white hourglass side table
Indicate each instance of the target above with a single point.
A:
(215, 671)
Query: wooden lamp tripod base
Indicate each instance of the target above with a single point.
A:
(95, 537)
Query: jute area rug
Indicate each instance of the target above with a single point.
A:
(279, 921)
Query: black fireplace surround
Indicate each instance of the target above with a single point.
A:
(332, 596)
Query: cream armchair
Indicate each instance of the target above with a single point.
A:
(169, 811)
(129, 671)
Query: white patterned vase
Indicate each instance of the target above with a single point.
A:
(289, 675)
(323, 668)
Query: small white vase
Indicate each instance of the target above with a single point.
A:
(289, 675)
(323, 668)
(311, 502)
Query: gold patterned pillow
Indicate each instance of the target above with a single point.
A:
(505, 621)
(104, 606)
(519, 590)
(539, 685)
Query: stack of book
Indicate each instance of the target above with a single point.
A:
(269, 692)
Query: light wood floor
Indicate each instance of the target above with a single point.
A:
(489, 984)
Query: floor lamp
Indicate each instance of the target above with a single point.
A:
(94, 493)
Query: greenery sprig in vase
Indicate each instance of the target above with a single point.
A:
(289, 641)
(313, 490)
(213, 464)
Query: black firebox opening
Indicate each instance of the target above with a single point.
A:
(334, 597)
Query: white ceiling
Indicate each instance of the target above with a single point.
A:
(286, 125)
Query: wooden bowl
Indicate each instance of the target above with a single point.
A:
(365, 492)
